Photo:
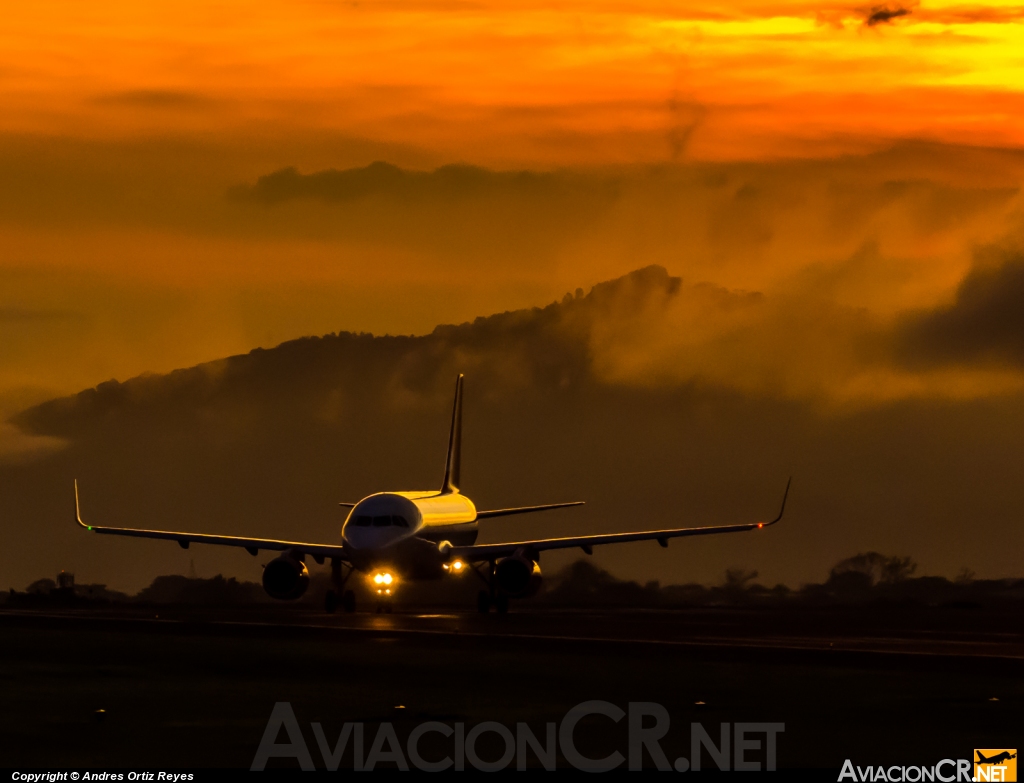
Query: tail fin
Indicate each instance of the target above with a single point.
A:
(453, 463)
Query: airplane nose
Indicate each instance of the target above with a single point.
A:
(379, 523)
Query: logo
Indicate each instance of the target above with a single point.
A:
(995, 764)
(739, 746)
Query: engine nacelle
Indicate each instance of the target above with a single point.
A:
(285, 578)
(518, 576)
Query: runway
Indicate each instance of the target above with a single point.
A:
(194, 687)
(836, 635)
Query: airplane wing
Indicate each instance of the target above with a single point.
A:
(492, 551)
(250, 545)
(504, 512)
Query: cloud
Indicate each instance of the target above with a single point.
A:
(884, 14)
(527, 87)
(170, 273)
(983, 325)
(387, 180)
(155, 99)
(18, 447)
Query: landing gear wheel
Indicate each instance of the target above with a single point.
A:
(348, 601)
(330, 602)
(501, 604)
(388, 606)
(483, 602)
(380, 607)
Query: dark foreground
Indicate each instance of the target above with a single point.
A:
(192, 689)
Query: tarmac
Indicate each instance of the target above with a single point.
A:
(192, 687)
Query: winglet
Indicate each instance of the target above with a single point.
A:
(453, 463)
(78, 510)
(781, 510)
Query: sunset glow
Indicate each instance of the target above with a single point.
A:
(522, 84)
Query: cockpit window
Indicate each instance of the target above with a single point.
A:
(384, 520)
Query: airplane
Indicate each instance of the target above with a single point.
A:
(392, 536)
(1004, 756)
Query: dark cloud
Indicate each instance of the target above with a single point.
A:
(685, 118)
(384, 179)
(884, 14)
(155, 99)
(401, 248)
(985, 323)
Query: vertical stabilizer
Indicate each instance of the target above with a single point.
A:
(454, 461)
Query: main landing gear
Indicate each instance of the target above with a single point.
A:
(338, 580)
(348, 602)
(484, 602)
(485, 599)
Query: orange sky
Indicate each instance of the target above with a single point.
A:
(521, 83)
(124, 127)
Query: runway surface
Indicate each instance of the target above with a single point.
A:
(861, 633)
(193, 687)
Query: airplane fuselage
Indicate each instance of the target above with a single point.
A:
(401, 531)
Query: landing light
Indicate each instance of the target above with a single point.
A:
(383, 578)
(454, 567)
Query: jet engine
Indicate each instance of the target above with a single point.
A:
(518, 576)
(285, 578)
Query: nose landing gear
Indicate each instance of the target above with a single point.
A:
(491, 596)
